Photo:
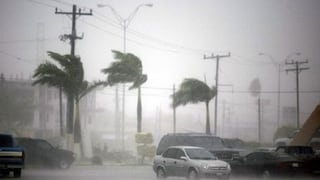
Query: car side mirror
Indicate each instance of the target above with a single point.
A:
(183, 158)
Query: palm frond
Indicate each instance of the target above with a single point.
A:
(61, 59)
(139, 81)
(88, 87)
(192, 91)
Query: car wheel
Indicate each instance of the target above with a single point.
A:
(63, 164)
(17, 173)
(193, 175)
(266, 174)
(161, 174)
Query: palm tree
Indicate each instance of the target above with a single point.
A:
(68, 76)
(193, 91)
(128, 69)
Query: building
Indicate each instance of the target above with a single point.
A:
(33, 111)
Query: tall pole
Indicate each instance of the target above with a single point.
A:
(124, 23)
(259, 119)
(73, 36)
(278, 65)
(297, 70)
(278, 99)
(174, 110)
(217, 83)
(298, 104)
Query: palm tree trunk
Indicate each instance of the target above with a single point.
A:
(208, 119)
(77, 128)
(70, 115)
(77, 125)
(60, 111)
(139, 111)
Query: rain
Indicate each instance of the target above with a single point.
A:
(91, 89)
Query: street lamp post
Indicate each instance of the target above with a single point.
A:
(124, 23)
(278, 66)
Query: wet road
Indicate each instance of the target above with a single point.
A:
(101, 173)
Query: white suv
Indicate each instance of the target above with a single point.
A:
(191, 162)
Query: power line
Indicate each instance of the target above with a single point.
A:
(130, 40)
(25, 41)
(273, 92)
(176, 47)
(18, 58)
(41, 3)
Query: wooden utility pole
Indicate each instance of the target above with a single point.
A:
(217, 82)
(73, 36)
(297, 69)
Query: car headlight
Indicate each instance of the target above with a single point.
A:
(204, 165)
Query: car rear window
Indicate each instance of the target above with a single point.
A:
(6, 141)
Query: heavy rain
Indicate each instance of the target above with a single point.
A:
(154, 89)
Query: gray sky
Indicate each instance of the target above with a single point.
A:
(171, 39)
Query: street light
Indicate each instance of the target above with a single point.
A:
(278, 65)
(124, 23)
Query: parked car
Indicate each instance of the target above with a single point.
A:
(264, 164)
(235, 143)
(214, 144)
(11, 156)
(304, 153)
(40, 152)
(191, 162)
(284, 141)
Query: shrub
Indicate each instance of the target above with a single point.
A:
(144, 145)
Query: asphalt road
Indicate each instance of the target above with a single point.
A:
(114, 172)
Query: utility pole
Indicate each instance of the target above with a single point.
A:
(297, 69)
(217, 82)
(259, 119)
(174, 110)
(73, 36)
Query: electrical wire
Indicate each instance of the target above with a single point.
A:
(18, 58)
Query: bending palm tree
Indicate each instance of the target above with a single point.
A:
(66, 77)
(193, 91)
(127, 69)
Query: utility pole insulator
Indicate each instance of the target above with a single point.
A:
(73, 36)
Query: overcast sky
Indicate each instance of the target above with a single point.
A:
(171, 39)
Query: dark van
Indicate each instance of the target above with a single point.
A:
(212, 143)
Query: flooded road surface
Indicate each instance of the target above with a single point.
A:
(115, 172)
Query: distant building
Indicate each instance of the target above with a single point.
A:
(45, 112)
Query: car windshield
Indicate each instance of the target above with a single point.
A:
(200, 154)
